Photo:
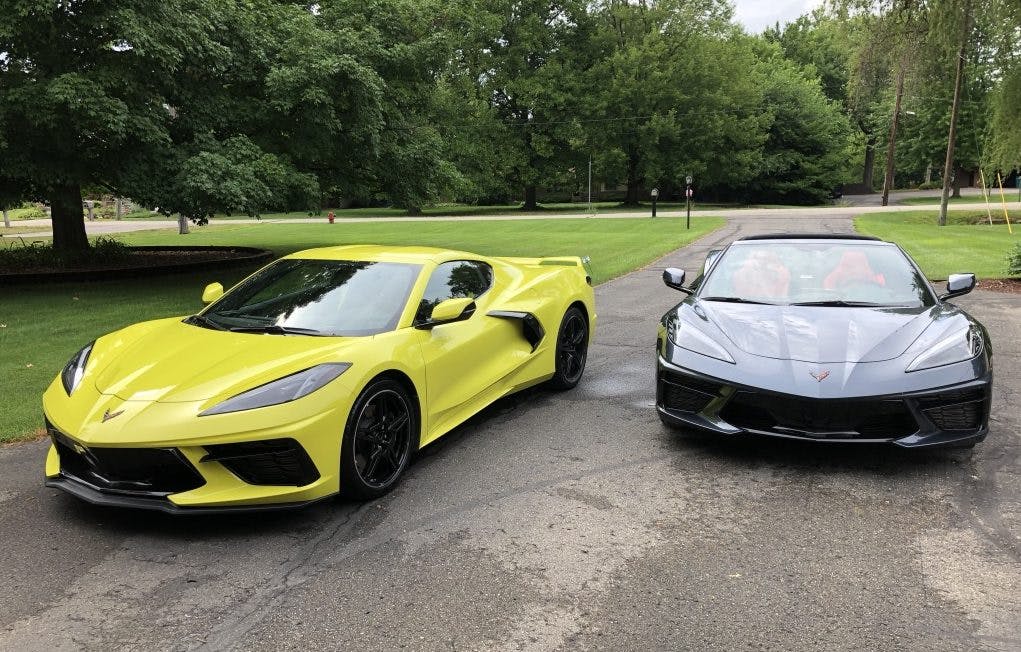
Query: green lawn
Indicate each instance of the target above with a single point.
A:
(41, 326)
(9, 233)
(1010, 194)
(30, 213)
(967, 244)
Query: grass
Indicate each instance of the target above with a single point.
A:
(42, 325)
(967, 244)
(9, 233)
(1010, 194)
(30, 213)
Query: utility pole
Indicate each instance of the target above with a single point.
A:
(948, 167)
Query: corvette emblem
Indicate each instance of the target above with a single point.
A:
(819, 377)
(110, 415)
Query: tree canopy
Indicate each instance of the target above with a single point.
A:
(197, 107)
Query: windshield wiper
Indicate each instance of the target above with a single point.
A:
(275, 329)
(736, 300)
(205, 322)
(840, 303)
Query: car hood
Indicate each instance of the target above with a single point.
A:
(170, 361)
(818, 334)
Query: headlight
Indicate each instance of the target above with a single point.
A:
(282, 390)
(962, 345)
(73, 371)
(692, 339)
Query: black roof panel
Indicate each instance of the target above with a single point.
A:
(809, 236)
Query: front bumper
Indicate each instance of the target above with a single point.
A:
(263, 470)
(956, 415)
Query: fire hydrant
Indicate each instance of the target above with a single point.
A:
(330, 216)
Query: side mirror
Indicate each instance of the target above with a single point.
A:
(212, 292)
(957, 285)
(674, 278)
(449, 311)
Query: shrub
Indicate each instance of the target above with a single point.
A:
(21, 255)
(1014, 261)
(930, 185)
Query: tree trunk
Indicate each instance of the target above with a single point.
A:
(182, 225)
(7, 219)
(631, 198)
(633, 182)
(69, 237)
(957, 183)
(414, 211)
(118, 208)
(530, 203)
(870, 162)
(948, 166)
(891, 147)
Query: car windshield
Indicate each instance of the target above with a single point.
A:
(316, 297)
(814, 272)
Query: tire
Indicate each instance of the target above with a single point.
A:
(380, 435)
(572, 350)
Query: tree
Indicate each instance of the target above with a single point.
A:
(671, 97)
(802, 157)
(517, 68)
(948, 169)
(1004, 129)
(119, 94)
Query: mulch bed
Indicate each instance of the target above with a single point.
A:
(133, 260)
(1011, 285)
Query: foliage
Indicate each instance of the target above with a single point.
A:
(802, 161)
(42, 255)
(1014, 261)
(248, 106)
(675, 98)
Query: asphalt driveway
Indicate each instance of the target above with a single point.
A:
(562, 521)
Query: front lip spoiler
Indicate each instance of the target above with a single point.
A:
(939, 439)
(96, 496)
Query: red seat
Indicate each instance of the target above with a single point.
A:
(853, 268)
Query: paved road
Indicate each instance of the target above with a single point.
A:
(562, 521)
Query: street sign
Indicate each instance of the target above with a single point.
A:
(690, 192)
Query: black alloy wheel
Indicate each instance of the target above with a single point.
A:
(381, 431)
(572, 349)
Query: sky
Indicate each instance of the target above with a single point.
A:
(756, 15)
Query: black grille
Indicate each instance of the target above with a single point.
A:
(963, 409)
(686, 393)
(270, 462)
(822, 418)
(143, 471)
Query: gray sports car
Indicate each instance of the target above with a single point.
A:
(823, 337)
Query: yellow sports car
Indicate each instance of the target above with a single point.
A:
(322, 372)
